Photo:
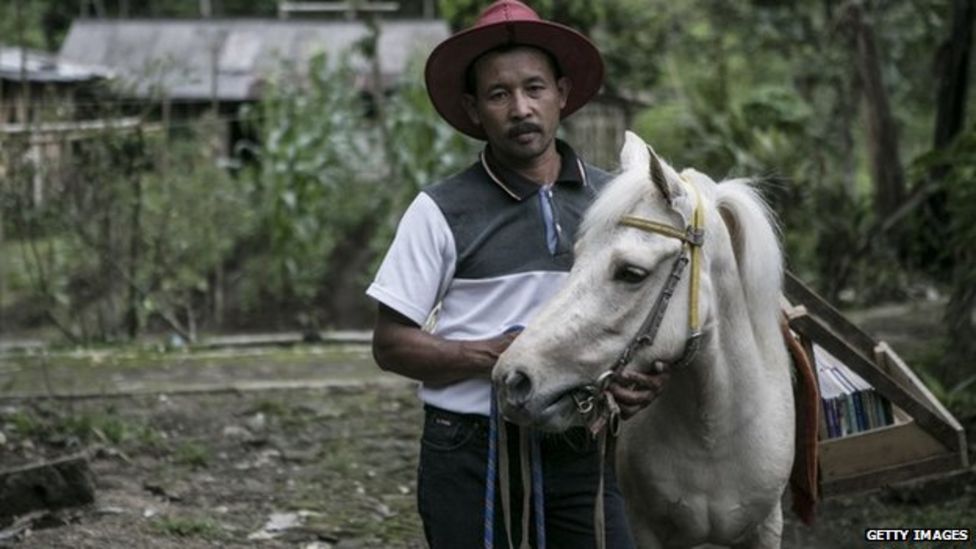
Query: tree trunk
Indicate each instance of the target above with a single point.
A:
(953, 62)
(952, 65)
(882, 138)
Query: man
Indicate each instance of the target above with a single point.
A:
(479, 253)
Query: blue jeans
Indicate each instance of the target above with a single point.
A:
(451, 487)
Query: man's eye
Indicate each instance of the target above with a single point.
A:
(630, 274)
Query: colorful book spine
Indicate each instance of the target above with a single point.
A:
(850, 404)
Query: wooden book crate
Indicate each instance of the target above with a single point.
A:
(925, 438)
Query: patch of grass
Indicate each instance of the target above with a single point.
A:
(291, 416)
(104, 426)
(147, 437)
(109, 428)
(340, 458)
(189, 527)
(270, 407)
(192, 454)
(25, 424)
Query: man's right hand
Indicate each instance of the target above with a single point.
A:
(402, 347)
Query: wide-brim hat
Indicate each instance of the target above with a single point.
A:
(509, 22)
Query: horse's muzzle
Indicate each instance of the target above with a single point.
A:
(554, 412)
(516, 388)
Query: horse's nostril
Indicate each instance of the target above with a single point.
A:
(518, 386)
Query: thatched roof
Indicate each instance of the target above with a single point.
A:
(179, 56)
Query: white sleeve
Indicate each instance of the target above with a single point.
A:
(419, 264)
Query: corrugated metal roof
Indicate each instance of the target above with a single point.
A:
(41, 66)
(179, 55)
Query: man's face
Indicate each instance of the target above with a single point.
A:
(517, 102)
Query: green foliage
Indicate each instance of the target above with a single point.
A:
(959, 397)
(317, 174)
(958, 165)
(107, 257)
(770, 90)
(337, 168)
(423, 149)
(38, 24)
(955, 168)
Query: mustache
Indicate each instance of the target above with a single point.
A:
(523, 127)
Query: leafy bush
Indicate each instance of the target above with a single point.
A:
(337, 167)
(120, 238)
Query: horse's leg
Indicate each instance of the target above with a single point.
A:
(768, 533)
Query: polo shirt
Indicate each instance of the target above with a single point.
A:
(482, 251)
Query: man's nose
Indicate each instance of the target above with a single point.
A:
(521, 105)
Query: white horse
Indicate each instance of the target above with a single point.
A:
(709, 459)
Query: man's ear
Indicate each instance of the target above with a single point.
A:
(468, 102)
(564, 85)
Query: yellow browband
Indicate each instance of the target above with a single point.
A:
(692, 238)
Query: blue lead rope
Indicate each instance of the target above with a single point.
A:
(538, 496)
(491, 474)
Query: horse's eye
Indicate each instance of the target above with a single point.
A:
(630, 274)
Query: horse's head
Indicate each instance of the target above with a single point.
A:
(636, 237)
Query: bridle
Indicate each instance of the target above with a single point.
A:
(596, 395)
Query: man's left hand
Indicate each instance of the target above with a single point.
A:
(634, 391)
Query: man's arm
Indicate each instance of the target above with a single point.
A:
(400, 346)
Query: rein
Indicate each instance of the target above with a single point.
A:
(595, 402)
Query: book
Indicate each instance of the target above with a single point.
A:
(850, 404)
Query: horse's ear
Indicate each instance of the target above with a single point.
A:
(634, 155)
(659, 178)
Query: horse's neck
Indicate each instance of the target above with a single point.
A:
(713, 397)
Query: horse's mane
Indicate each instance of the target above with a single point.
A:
(754, 235)
(615, 201)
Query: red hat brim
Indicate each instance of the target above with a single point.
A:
(578, 59)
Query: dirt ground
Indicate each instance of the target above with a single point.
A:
(328, 467)
(320, 466)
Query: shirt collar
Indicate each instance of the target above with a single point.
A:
(570, 171)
